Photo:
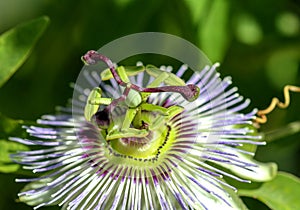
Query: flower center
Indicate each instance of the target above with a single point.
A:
(158, 139)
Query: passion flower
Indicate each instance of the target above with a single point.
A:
(168, 149)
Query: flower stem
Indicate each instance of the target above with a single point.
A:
(288, 130)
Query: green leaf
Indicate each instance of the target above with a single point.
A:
(237, 200)
(213, 31)
(16, 45)
(281, 193)
(10, 127)
(197, 9)
(7, 148)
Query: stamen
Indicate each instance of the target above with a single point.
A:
(189, 92)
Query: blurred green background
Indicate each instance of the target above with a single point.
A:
(257, 43)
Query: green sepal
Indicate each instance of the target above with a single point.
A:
(252, 132)
(260, 173)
